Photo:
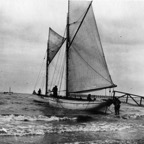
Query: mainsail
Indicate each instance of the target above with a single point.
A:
(87, 67)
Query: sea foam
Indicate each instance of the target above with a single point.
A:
(21, 125)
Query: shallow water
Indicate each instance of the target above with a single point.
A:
(26, 119)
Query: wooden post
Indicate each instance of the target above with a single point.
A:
(141, 101)
(113, 94)
(127, 98)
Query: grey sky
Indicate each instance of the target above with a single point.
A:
(24, 30)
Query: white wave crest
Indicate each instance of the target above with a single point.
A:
(8, 118)
(21, 125)
(28, 125)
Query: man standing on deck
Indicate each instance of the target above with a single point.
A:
(39, 92)
(55, 90)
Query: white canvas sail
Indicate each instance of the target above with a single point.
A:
(87, 66)
(55, 42)
(53, 69)
(56, 72)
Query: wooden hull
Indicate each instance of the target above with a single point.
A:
(75, 104)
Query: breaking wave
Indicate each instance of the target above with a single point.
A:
(16, 117)
(21, 125)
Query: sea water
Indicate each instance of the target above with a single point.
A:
(28, 119)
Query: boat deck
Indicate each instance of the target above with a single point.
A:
(80, 97)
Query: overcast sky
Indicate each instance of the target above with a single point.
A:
(24, 28)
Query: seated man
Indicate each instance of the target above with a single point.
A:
(89, 97)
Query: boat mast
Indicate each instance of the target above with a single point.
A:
(67, 52)
(47, 63)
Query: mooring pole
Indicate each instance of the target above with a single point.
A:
(127, 98)
(113, 94)
(141, 101)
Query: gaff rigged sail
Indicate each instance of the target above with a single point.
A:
(87, 66)
(55, 42)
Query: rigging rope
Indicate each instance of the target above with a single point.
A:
(39, 72)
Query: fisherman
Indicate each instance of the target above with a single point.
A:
(116, 103)
(89, 97)
(39, 91)
(55, 90)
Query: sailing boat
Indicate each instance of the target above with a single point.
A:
(85, 69)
